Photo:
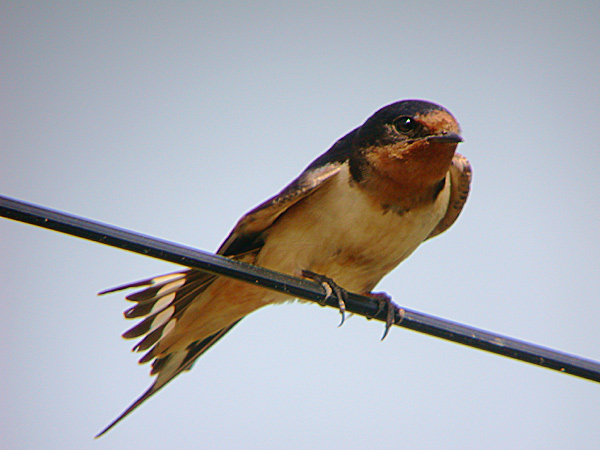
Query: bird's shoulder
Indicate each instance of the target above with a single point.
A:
(460, 175)
(246, 236)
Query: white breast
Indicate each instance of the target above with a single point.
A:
(340, 232)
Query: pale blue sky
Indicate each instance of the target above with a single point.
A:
(175, 119)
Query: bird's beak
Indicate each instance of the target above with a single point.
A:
(446, 138)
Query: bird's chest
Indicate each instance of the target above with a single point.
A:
(344, 233)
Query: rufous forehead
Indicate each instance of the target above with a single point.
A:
(438, 121)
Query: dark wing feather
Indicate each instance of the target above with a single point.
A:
(165, 298)
(460, 182)
(247, 234)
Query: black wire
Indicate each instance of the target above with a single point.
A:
(296, 287)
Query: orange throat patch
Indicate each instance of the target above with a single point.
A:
(406, 176)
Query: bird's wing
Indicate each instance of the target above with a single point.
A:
(246, 235)
(460, 182)
(165, 298)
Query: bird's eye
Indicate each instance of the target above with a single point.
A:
(406, 125)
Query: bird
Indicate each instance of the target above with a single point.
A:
(346, 221)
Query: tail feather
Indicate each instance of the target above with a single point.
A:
(147, 282)
(169, 367)
(161, 304)
(179, 298)
(153, 337)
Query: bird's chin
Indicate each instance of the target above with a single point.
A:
(418, 163)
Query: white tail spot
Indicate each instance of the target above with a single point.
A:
(161, 318)
(168, 328)
(162, 303)
(172, 286)
(167, 278)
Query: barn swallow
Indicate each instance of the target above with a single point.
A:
(349, 218)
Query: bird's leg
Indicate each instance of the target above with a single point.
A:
(332, 289)
(385, 301)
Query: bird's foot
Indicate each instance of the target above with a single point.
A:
(332, 289)
(385, 301)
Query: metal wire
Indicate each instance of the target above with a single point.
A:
(296, 287)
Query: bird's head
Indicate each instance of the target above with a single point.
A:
(406, 146)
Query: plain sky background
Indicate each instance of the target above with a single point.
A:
(175, 118)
